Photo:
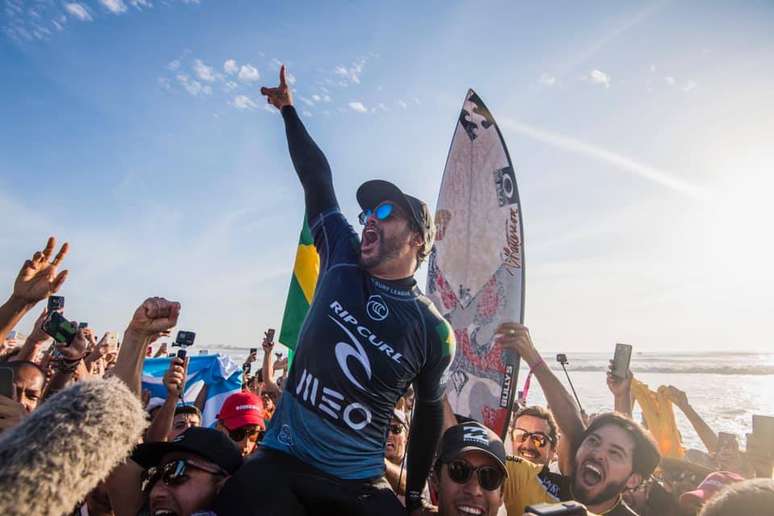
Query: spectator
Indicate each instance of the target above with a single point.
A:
(751, 497)
(469, 472)
(612, 455)
(183, 476)
(242, 418)
(395, 452)
(692, 501)
(171, 419)
(29, 381)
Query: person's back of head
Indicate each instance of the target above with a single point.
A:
(751, 497)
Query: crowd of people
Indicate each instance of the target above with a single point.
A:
(359, 422)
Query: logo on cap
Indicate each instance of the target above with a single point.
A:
(377, 308)
(475, 434)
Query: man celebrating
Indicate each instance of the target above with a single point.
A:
(369, 333)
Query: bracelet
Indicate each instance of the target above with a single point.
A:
(67, 366)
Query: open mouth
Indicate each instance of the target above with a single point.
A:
(370, 238)
(529, 454)
(164, 512)
(591, 474)
(469, 509)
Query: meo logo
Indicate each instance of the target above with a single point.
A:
(377, 308)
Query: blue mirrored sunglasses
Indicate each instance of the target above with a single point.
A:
(382, 212)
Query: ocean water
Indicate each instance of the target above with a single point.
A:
(725, 388)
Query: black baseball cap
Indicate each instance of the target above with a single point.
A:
(471, 436)
(373, 192)
(208, 443)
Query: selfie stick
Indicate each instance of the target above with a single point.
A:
(570, 381)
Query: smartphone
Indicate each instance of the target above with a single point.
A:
(727, 441)
(621, 360)
(204, 352)
(571, 508)
(55, 303)
(83, 325)
(253, 350)
(270, 335)
(278, 355)
(763, 432)
(185, 338)
(7, 387)
(60, 328)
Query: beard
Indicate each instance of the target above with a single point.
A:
(610, 491)
(388, 248)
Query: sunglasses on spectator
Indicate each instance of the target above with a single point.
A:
(539, 439)
(396, 429)
(382, 212)
(490, 478)
(253, 433)
(175, 473)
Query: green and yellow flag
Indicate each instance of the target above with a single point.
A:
(302, 285)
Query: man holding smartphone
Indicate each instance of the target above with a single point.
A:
(368, 335)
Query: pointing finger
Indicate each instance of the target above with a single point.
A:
(283, 84)
(62, 253)
(49, 247)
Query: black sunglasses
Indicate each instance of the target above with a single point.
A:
(174, 473)
(396, 429)
(539, 439)
(254, 433)
(490, 478)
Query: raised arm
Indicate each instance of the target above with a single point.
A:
(516, 337)
(621, 388)
(154, 315)
(35, 342)
(309, 161)
(706, 434)
(267, 369)
(36, 280)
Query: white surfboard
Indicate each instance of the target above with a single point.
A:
(476, 268)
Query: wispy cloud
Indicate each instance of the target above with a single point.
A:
(599, 77)
(78, 11)
(248, 73)
(244, 102)
(203, 71)
(114, 6)
(358, 106)
(612, 158)
(547, 80)
(351, 73)
(230, 67)
(192, 86)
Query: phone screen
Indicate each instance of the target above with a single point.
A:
(60, 328)
(621, 360)
(7, 387)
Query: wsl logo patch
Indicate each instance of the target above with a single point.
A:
(377, 308)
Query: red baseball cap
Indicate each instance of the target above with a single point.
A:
(708, 488)
(241, 409)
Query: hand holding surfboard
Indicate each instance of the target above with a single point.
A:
(280, 96)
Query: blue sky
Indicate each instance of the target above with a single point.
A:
(641, 133)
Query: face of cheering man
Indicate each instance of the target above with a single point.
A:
(531, 439)
(396, 442)
(29, 381)
(389, 244)
(193, 490)
(604, 466)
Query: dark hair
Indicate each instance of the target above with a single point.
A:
(188, 409)
(748, 497)
(646, 455)
(16, 365)
(543, 413)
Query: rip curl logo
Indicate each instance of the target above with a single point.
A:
(344, 350)
(377, 308)
(285, 436)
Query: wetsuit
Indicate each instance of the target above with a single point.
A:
(364, 340)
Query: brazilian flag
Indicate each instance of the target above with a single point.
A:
(302, 285)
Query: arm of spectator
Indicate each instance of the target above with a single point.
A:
(97, 351)
(124, 489)
(153, 316)
(449, 419)
(35, 342)
(201, 398)
(174, 381)
(267, 369)
(621, 390)
(706, 434)
(68, 363)
(516, 337)
(36, 280)
(396, 476)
